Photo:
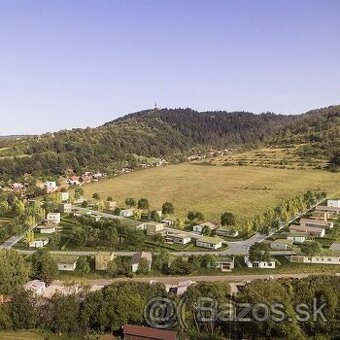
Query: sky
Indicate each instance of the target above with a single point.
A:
(72, 63)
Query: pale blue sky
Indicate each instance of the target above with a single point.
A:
(71, 63)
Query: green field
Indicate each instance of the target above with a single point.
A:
(245, 191)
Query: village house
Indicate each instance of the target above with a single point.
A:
(226, 231)
(65, 208)
(47, 228)
(178, 238)
(259, 264)
(199, 227)
(297, 237)
(133, 332)
(67, 263)
(335, 203)
(280, 245)
(313, 231)
(225, 263)
(38, 243)
(136, 258)
(64, 196)
(126, 212)
(306, 222)
(153, 228)
(316, 259)
(53, 218)
(209, 242)
(74, 180)
(102, 260)
(36, 286)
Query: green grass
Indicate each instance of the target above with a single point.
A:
(34, 335)
(245, 191)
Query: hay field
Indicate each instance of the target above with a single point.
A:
(243, 190)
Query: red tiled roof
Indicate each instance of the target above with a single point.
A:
(148, 332)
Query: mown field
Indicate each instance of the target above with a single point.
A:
(245, 191)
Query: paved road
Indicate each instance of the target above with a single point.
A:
(12, 241)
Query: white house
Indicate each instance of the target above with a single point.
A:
(209, 242)
(38, 243)
(136, 258)
(53, 218)
(258, 264)
(198, 228)
(64, 196)
(36, 286)
(178, 238)
(47, 228)
(297, 237)
(333, 203)
(126, 212)
(316, 259)
(65, 208)
(67, 263)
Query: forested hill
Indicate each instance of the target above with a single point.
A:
(165, 133)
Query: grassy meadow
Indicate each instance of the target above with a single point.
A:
(243, 190)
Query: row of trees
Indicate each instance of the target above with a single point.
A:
(271, 219)
(92, 313)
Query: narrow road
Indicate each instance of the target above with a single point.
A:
(173, 280)
(12, 241)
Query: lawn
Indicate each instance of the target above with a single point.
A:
(245, 191)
